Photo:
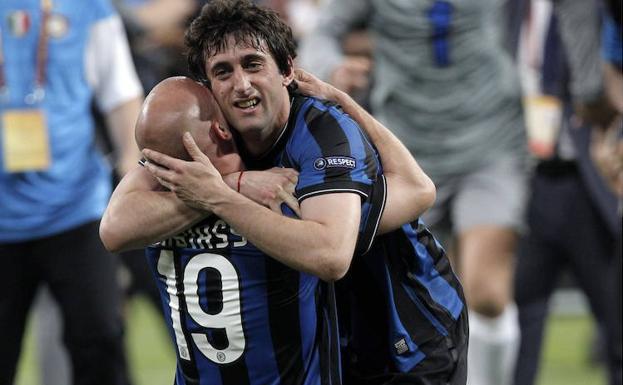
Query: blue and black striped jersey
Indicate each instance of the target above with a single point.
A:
(400, 291)
(332, 155)
(238, 317)
(401, 296)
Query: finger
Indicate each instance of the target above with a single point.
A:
(275, 206)
(192, 148)
(159, 172)
(166, 184)
(301, 74)
(160, 159)
(290, 188)
(291, 202)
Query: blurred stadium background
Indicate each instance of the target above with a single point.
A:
(567, 357)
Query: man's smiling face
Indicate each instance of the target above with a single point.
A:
(250, 90)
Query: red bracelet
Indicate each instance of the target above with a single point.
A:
(239, 179)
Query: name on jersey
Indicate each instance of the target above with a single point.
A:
(206, 236)
(335, 162)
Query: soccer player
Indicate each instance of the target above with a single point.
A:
(244, 54)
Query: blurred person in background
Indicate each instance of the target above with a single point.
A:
(572, 214)
(155, 30)
(445, 83)
(56, 57)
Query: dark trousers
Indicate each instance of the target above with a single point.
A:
(566, 232)
(81, 276)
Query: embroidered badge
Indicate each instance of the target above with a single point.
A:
(19, 23)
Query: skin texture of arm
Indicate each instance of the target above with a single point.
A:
(410, 191)
(134, 216)
(320, 243)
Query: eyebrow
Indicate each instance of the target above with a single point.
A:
(253, 56)
(219, 65)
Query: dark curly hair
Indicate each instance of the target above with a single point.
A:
(246, 23)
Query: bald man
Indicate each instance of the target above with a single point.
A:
(177, 105)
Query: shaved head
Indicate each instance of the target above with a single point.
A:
(177, 105)
(174, 106)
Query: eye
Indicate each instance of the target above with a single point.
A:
(254, 65)
(220, 73)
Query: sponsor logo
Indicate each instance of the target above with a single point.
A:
(335, 162)
(401, 346)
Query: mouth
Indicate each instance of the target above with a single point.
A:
(247, 104)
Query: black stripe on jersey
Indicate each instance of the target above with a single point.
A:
(189, 368)
(442, 266)
(378, 197)
(330, 373)
(282, 285)
(331, 139)
(367, 352)
(413, 315)
(442, 263)
(237, 372)
(371, 172)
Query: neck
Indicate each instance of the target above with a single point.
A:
(228, 164)
(260, 142)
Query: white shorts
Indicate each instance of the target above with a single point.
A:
(494, 194)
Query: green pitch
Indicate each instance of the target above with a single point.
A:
(564, 362)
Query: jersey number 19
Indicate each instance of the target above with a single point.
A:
(229, 318)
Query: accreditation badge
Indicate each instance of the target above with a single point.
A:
(543, 114)
(25, 140)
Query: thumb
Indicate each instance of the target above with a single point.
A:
(192, 148)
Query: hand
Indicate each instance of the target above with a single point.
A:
(197, 183)
(271, 188)
(352, 75)
(310, 85)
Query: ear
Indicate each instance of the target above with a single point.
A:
(289, 76)
(220, 131)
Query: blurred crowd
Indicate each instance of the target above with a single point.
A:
(514, 109)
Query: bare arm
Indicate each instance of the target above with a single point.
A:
(141, 211)
(135, 216)
(410, 191)
(322, 242)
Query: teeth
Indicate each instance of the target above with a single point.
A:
(247, 103)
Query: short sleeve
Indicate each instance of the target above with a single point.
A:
(331, 153)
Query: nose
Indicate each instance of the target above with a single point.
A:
(242, 84)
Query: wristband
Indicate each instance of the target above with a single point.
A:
(239, 179)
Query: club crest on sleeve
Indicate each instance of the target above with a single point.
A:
(335, 162)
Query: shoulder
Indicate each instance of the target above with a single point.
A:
(321, 120)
